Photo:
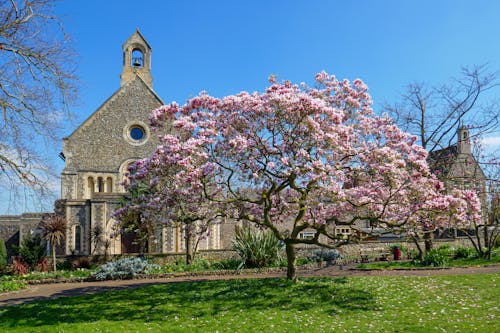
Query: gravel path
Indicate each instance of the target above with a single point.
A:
(55, 290)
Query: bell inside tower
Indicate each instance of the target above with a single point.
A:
(137, 58)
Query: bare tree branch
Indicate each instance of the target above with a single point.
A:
(434, 113)
(37, 83)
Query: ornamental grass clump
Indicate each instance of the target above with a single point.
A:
(257, 248)
(463, 253)
(126, 268)
(435, 258)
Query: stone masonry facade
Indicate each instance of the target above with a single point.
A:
(98, 154)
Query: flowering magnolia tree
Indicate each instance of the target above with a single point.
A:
(296, 158)
(160, 194)
(484, 234)
(459, 210)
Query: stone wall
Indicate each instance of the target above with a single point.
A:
(353, 251)
(14, 227)
(101, 144)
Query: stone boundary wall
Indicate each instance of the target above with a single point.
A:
(352, 252)
(374, 247)
(14, 227)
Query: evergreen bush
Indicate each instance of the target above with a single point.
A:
(32, 250)
(3, 255)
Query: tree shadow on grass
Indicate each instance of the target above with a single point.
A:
(202, 299)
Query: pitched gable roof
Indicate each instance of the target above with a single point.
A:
(137, 33)
(121, 91)
(440, 161)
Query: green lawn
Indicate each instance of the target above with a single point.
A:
(468, 303)
(461, 262)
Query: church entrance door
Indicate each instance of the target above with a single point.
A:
(130, 243)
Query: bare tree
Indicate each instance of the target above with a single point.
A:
(484, 235)
(434, 113)
(36, 84)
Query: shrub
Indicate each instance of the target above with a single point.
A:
(18, 267)
(435, 258)
(32, 250)
(3, 255)
(444, 247)
(125, 268)
(301, 261)
(257, 248)
(82, 262)
(326, 255)
(13, 285)
(463, 252)
(446, 250)
(64, 266)
(413, 254)
(42, 265)
(226, 264)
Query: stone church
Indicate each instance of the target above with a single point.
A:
(456, 167)
(97, 155)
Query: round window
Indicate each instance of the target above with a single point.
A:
(137, 133)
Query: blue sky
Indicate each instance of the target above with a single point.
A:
(225, 47)
(228, 46)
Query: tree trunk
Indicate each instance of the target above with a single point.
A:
(428, 236)
(189, 250)
(54, 264)
(291, 273)
(419, 248)
(487, 245)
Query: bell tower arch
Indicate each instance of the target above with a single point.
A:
(136, 60)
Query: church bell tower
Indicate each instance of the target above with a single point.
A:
(463, 141)
(136, 60)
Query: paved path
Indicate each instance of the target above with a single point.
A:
(55, 290)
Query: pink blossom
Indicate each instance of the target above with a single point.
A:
(296, 156)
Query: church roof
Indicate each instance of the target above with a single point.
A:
(138, 33)
(121, 91)
(440, 161)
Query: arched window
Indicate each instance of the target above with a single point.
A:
(78, 239)
(137, 58)
(90, 187)
(109, 185)
(100, 185)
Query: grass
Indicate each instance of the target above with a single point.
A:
(199, 265)
(461, 262)
(358, 304)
